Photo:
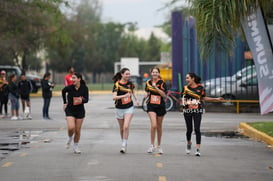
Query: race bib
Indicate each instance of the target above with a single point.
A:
(155, 99)
(125, 100)
(193, 106)
(77, 101)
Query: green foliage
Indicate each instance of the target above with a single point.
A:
(153, 49)
(218, 21)
(24, 26)
(79, 39)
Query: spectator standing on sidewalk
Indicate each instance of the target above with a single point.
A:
(25, 88)
(14, 97)
(68, 77)
(156, 89)
(47, 88)
(123, 90)
(192, 96)
(74, 98)
(4, 94)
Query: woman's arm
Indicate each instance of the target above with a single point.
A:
(161, 92)
(64, 91)
(134, 95)
(217, 99)
(116, 97)
(85, 97)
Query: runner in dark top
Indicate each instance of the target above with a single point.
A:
(74, 98)
(123, 90)
(156, 89)
(192, 96)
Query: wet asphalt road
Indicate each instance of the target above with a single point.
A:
(34, 150)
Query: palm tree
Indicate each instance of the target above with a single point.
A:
(218, 21)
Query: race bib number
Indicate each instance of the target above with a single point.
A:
(193, 106)
(77, 101)
(125, 100)
(155, 99)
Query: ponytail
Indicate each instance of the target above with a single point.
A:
(118, 75)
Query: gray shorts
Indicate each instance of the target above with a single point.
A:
(120, 112)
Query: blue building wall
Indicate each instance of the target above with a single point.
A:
(186, 54)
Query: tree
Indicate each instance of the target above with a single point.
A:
(153, 49)
(24, 25)
(79, 29)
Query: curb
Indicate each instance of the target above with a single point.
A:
(251, 132)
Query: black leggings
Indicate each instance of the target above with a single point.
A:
(196, 117)
(4, 102)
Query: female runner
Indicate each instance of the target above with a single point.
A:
(156, 89)
(123, 90)
(74, 98)
(193, 94)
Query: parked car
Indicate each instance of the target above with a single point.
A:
(34, 79)
(212, 84)
(244, 89)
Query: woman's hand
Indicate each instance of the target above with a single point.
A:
(127, 95)
(64, 106)
(137, 103)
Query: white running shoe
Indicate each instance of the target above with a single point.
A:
(197, 153)
(123, 149)
(160, 150)
(188, 149)
(77, 150)
(151, 149)
(14, 118)
(68, 143)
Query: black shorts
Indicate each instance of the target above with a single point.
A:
(25, 97)
(75, 114)
(160, 111)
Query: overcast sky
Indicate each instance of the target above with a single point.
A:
(145, 12)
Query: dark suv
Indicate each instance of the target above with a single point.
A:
(34, 79)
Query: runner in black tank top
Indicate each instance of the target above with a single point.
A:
(156, 89)
(123, 92)
(192, 96)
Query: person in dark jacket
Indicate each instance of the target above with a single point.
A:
(74, 98)
(47, 88)
(25, 88)
(14, 97)
(4, 93)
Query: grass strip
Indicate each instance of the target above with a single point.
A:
(265, 127)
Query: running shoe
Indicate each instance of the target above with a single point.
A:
(151, 149)
(188, 149)
(197, 153)
(68, 143)
(160, 150)
(123, 149)
(14, 118)
(77, 150)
